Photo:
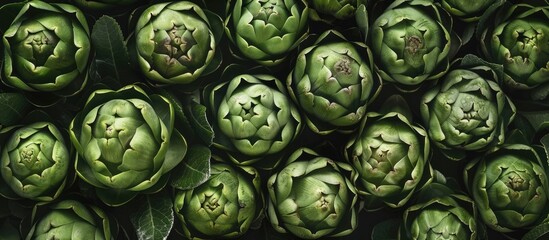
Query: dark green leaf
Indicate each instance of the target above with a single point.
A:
(539, 120)
(154, 217)
(194, 170)
(196, 115)
(386, 230)
(14, 106)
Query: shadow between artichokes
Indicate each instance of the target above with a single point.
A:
(126, 143)
(333, 83)
(228, 204)
(313, 197)
(510, 187)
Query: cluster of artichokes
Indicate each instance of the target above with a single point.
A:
(274, 119)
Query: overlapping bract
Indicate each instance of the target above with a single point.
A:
(47, 48)
(102, 5)
(35, 161)
(225, 206)
(126, 142)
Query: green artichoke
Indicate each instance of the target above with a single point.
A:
(468, 10)
(312, 197)
(34, 161)
(411, 42)
(467, 110)
(225, 206)
(391, 157)
(449, 216)
(267, 30)
(254, 117)
(103, 5)
(47, 48)
(126, 142)
(509, 185)
(176, 42)
(518, 37)
(338, 9)
(333, 82)
(70, 219)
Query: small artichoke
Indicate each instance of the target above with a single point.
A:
(312, 197)
(265, 31)
(126, 142)
(510, 187)
(34, 161)
(225, 206)
(70, 219)
(176, 42)
(333, 82)
(47, 48)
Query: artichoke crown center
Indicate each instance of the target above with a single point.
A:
(343, 66)
(267, 9)
(177, 44)
(413, 44)
(248, 109)
(42, 45)
(29, 155)
(517, 183)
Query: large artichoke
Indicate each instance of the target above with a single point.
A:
(126, 142)
(176, 41)
(391, 157)
(267, 30)
(70, 219)
(254, 117)
(412, 42)
(467, 110)
(333, 82)
(510, 187)
(518, 37)
(47, 48)
(225, 206)
(34, 161)
(312, 197)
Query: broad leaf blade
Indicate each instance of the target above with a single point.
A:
(14, 107)
(154, 217)
(194, 170)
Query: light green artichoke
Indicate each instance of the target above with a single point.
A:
(333, 82)
(102, 5)
(176, 42)
(509, 185)
(467, 10)
(254, 117)
(518, 37)
(47, 48)
(411, 42)
(70, 219)
(34, 161)
(312, 197)
(391, 157)
(225, 206)
(126, 143)
(267, 30)
(447, 216)
(467, 110)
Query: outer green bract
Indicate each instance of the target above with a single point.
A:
(467, 10)
(70, 219)
(267, 30)
(254, 116)
(339, 9)
(225, 206)
(104, 4)
(448, 216)
(47, 48)
(391, 157)
(518, 37)
(509, 185)
(312, 197)
(467, 110)
(332, 82)
(175, 42)
(126, 142)
(35, 161)
(411, 42)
